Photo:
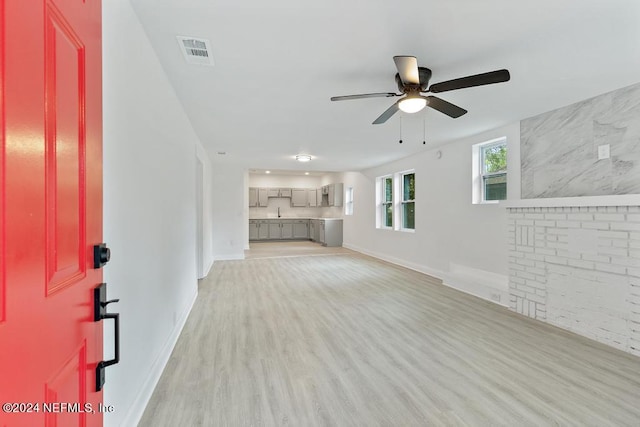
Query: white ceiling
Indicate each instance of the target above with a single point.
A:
(278, 62)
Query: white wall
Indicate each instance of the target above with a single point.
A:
(149, 211)
(230, 211)
(207, 202)
(462, 243)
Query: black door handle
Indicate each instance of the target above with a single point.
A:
(100, 312)
(101, 255)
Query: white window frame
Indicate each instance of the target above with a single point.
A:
(381, 207)
(348, 201)
(402, 203)
(478, 174)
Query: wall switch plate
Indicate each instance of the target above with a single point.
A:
(603, 151)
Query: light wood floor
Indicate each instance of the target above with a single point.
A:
(282, 249)
(346, 340)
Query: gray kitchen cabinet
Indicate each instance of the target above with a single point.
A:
(263, 230)
(299, 198)
(275, 230)
(286, 229)
(301, 229)
(319, 197)
(258, 197)
(278, 192)
(312, 229)
(311, 196)
(253, 229)
(331, 232)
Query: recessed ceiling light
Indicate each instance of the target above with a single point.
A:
(303, 158)
(306, 173)
(267, 171)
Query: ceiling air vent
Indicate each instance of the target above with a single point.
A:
(196, 51)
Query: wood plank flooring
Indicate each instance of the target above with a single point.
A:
(347, 340)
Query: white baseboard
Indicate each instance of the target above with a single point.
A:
(144, 395)
(207, 270)
(229, 257)
(438, 274)
(479, 283)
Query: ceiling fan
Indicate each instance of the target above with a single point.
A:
(413, 81)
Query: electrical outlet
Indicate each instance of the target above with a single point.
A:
(603, 151)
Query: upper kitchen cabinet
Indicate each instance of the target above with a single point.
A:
(332, 194)
(299, 198)
(311, 196)
(279, 192)
(258, 197)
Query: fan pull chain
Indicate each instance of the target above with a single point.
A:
(400, 130)
(424, 132)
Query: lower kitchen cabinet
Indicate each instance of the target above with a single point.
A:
(325, 231)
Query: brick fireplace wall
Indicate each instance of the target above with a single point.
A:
(578, 268)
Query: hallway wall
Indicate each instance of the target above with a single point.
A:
(149, 212)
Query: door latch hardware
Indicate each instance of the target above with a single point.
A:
(100, 312)
(101, 255)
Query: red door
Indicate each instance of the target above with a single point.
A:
(50, 211)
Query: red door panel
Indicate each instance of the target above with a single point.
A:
(50, 211)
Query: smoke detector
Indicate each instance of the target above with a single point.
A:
(195, 50)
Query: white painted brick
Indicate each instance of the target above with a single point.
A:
(526, 249)
(595, 225)
(524, 222)
(569, 224)
(610, 268)
(516, 267)
(536, 298)
(635, 272)
(634, 253)
(530, 236)
(516, 254)
(558, 245)
(524, 261)
(629, 226)
(535, 257)
(626, 261)
(601, 209)
(541, 279)
(618, 243)
(525, 275)
(581, 264)
(545, 223)
(580, 217)
(518, 235)
(514, 215)
(597, 258)
(555, 216)
(567, 254)
(612, 209)
(545, 251)
(609, 217)
(552, 237)
(623, 209)
(526, 288)
(516, 281)
(532, 309)
(517, 293)
(633, 217)
(555, 260)
(557, 231)
(615, 235)
(634, 244)
(534, 216)
(541, 292)
(633, 209)
(535, 270)
(602, 250)
(519, 302)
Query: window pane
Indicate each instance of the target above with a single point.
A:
(388, 190)
(495, 187)
(408, 186)
(388, 217)
(494, 158)
(409, 215)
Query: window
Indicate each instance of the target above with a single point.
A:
(408, 201)
(348, 201)
(395, 198)
(387, 202)
(490, 171)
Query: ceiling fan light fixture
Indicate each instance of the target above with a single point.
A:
(412, 104)
(303, 158)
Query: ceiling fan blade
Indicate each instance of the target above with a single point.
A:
(364, 95)
(387, 114)
(491, 77)
(407, 69)
(445, 107)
